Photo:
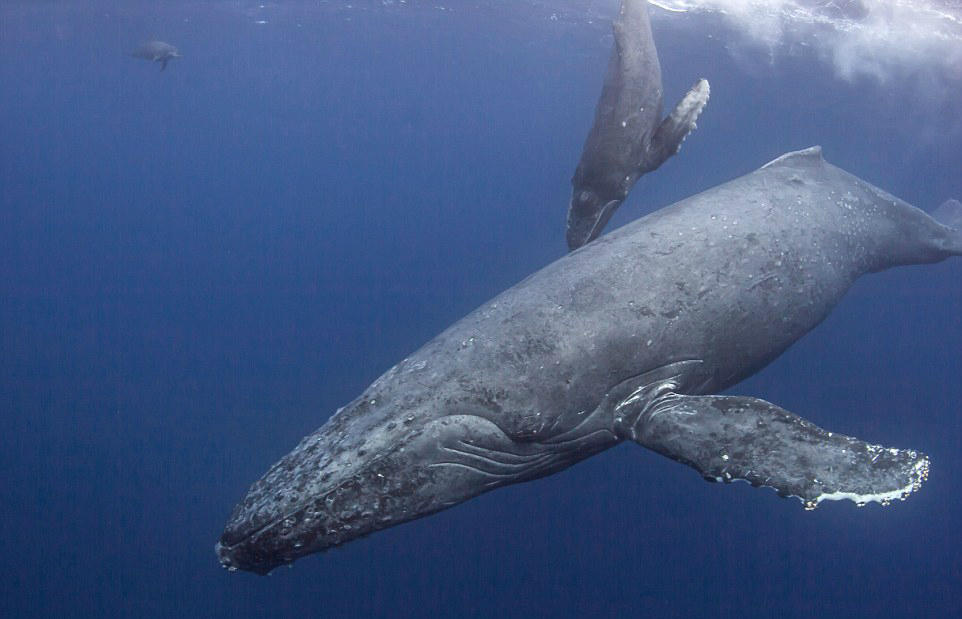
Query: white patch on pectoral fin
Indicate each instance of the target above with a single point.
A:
(673, 130)
(919, 474)
(728, 438)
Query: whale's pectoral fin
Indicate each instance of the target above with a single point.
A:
(667, 139)
(732, 437)
(163, 63)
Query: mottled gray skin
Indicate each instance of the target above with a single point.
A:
(629, 138)
(156, 51)
(614, 341)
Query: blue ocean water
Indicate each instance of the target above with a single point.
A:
(198, 266)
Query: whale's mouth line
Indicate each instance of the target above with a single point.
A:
(291, 512)
(260, 530)
(225, 551)
(247, 536)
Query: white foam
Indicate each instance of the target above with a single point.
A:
(875, 38)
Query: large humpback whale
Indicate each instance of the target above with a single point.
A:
(629, 138)
(156, 51)
(628, 338)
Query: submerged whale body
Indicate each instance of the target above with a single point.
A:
(627, 338)
(629, 138)
(156, 51)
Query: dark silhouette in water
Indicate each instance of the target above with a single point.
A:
(629, 137)
(157, 51)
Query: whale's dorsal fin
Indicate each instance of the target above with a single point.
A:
(810, 155)
(949, 213)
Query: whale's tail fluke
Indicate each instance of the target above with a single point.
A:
(949, 214)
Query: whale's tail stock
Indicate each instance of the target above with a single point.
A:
(949, 214)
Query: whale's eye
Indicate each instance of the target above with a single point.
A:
(585, 201)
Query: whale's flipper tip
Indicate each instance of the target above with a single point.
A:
(728, 438)
(163, 63)
(676, 126)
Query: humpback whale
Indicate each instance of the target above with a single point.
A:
(157, 51)
(629, 137)
(629, 338)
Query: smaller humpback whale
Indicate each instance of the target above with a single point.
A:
(629, 137)
(630, 338)
(157, 51)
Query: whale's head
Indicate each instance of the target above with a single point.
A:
(588, 214)
(400, 451)
(365, 469)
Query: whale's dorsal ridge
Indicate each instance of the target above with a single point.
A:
(810, 155)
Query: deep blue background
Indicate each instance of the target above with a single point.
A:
(197, 267)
